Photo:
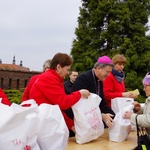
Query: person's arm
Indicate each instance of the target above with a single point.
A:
(107, 113)
(143, 119)
(54, 92)
(105, 108)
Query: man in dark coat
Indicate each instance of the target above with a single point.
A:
(92, 80)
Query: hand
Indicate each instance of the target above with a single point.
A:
(107, 118)
(127, 94)
(73, 129)
(134, 96)
(127, 115)
(84, 93)
(137, 106)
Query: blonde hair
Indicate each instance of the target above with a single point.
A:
(119, 58)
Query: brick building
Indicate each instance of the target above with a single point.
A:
(14, 76)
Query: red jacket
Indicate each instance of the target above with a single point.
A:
(4, 97)
(112, 88)
(49, 88)
(26, 92)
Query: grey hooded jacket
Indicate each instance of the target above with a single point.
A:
(143, 118)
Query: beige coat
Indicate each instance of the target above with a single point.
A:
(143, 118)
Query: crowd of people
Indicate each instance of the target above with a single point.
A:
(105, 79)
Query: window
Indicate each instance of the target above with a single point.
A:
(25, 83)
(2, 82)
(10, 81)
(18, 83)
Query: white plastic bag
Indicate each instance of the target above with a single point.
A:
(121, 127)
(18, 126)
(88, 119)
(118, 103)
(53, 133)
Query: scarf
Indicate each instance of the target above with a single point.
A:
(118, 75)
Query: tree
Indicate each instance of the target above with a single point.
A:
(108, 27)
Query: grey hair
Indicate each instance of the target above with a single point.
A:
(47, 64)
(102, 65)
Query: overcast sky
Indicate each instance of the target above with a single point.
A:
(35, 30)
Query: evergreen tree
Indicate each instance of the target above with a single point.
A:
(108, 27)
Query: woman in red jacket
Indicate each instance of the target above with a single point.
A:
(49, 88)
(114, 84)
(4, 97)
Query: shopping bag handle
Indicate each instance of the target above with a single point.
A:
(28, 103)
(137, 127)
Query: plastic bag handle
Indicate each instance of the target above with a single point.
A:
(29, 103)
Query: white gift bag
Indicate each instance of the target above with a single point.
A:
(53, 133)
(88, 119)
(18, 126)
(121, 127)
(118, 103)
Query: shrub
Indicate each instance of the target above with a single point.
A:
(14, 96)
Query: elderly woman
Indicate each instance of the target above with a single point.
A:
(143, 117)
(49, 88)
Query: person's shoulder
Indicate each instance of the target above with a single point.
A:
(66, 81)
(85, 73)
(84, 76)
(33, 78)
(48, 74)
(111, 76)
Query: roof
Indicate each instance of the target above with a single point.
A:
(13, 67)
